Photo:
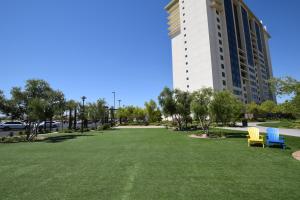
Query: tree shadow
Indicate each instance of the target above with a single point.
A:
(277, 146)
(235, 135)
(63, 138)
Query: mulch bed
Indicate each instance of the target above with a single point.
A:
(296, 155)
(204, 136)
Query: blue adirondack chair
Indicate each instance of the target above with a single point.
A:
(273, 137)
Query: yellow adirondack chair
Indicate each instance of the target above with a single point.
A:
(254, 137)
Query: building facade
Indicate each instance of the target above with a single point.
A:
(220, 44)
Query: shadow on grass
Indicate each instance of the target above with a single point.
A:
(236, 135)
(63, 138)
(278, 147)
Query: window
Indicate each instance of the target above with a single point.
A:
(183, 21)
(237, 26)
(184, 35)
(223, 74)
(232, 43)
(185, 42)
(219, 27)
(236, 92)
(219, 34)
(187, 78)
(182, 8)
(183, 14)
(184, 28)
(221, 49)
(220, 42)
(258, 36)
(223, 66)
(224, 82)
(218, 19)
(186, 63)
(186, 56)
(185, 49)
(247, 37)
(188, 86)
(217, 12)
(222, 57)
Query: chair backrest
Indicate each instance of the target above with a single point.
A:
(253, 133)
(273, 134)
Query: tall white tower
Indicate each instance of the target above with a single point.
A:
(222, 45)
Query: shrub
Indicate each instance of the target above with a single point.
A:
(66, 131)
(103, 127)
(21, 133)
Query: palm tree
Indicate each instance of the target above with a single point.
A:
(72, 107)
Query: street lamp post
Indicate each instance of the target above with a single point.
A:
(119, 103)
(113, 110)
(114, 99)
(82, 118)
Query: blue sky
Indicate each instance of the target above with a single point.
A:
(94, 47)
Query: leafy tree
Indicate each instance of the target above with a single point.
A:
(167, 102)
(253, 108)
(14, 107)
(37, 102)
(182, 108)
(269, 107)
(55, 104)
(200, 107)
(131, 114)
(238, 109)
(139, 114)
(3, 103)
(122, 114)
(153, 112)
(289, 86)
(96, 111)
(226, 107)
(176, 104)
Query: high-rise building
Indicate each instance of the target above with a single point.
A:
(220, 44)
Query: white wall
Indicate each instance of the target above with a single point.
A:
(198, 48)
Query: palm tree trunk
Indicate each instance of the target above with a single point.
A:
(75, 119)
(70, 119)
(51, 118)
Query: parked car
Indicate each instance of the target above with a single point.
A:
(55, 125)
(7, 126)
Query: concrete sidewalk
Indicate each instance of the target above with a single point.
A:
(283, 131)
(139, 127)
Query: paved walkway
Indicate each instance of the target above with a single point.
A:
(125, 127)
(283, 131)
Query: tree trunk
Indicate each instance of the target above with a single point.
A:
(51, 118)
(75, 119)
(70, 119)
(62, 121)
(45, 125)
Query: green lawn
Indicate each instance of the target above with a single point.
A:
(144, 164)
(283, 124)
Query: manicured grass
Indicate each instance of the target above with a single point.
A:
(144, 164)
(283, 124)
